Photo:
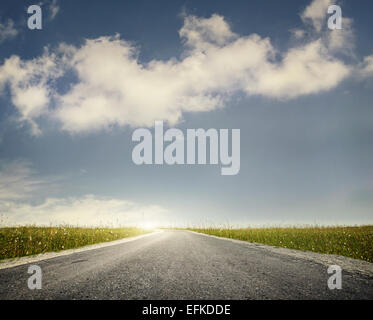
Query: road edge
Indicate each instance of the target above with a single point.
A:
(11, 263)
(346, 263)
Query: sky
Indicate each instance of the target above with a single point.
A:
(72, 94)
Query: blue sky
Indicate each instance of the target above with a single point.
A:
(72, 93)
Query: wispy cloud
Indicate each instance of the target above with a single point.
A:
(19, 183)
(18, 180)
(54, 8)
(7, 30)
(88, 210)
(366, 67)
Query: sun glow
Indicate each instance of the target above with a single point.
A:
(148, 225)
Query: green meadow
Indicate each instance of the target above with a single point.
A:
(26, 241)
(354, 242)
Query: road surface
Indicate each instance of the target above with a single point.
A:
(186, 265)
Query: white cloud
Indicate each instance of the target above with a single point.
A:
(202, 34)
(7, 30)
(304, 70)
(316, 15)
(31, 84)
(113, 88)
(366, 67)
(88, 210)
(316, 12)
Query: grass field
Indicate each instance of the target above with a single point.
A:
(354, 242)
(24, 241)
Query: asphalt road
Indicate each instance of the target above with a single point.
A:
(183, 265)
